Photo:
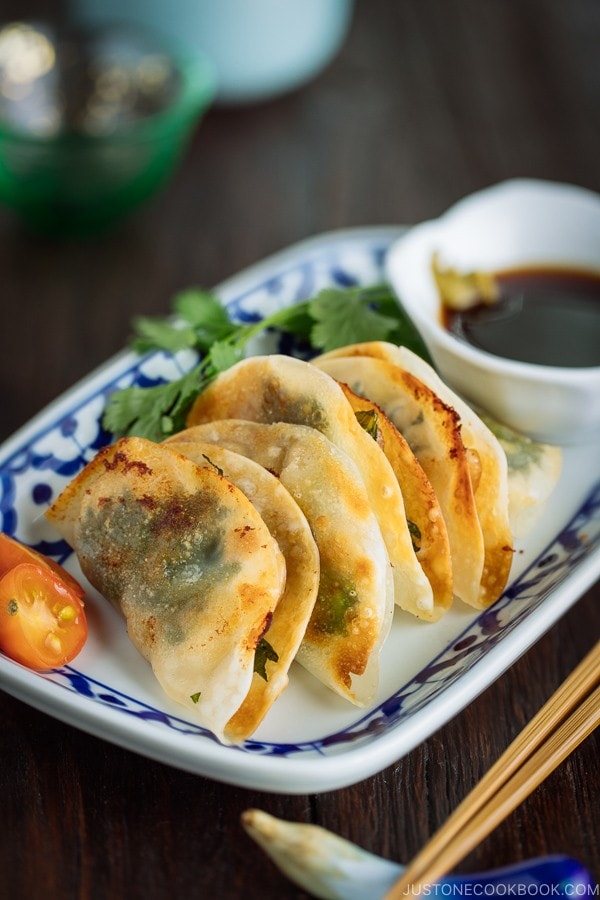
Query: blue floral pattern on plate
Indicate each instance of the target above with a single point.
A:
(39, 461)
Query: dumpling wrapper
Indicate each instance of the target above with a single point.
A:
(519, 472)
(491, 484)
(433, 433)
(425, 518)
(487, 460)
(354, 608)
(277, 388)
(533, 473)
(189, 562)
(288, 525)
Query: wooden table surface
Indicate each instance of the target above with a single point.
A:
(428, 100)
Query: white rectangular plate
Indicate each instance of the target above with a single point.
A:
(311, 740)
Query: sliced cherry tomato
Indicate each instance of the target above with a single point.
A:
(13, 552)
(42, 622)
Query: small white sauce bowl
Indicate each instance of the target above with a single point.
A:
(515, 224)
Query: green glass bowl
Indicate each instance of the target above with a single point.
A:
(79, 146)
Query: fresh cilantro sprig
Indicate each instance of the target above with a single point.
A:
(200, 321)
(332, 319)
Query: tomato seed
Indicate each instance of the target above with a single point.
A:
(67, 613)
(52, 642)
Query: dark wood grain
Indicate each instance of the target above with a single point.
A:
(427, 101)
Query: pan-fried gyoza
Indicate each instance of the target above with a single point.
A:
(187, 559)
(487, 462)
(423, 512)
(289, 527)
(432, 430)
(301, 503)
(279, 388)
(354, 607)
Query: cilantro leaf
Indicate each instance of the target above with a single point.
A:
(264, 653)
(360, 314)
(343, 317)
(153, 412)
(333, 318)
(158, 334)
(415, 535)
(405, 332)
(294, 319)
(208, 318)
(369, 421)
(201, 320)
(222, 355)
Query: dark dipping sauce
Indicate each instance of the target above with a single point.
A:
(546, 316)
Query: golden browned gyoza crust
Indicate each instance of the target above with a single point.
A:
(485, 458)
(490, 485)
(289, 526)
(432, 431)
(278, 388)
(187, 559)
(425, 518)
(354, 607)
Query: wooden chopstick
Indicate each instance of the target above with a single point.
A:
(569, 716)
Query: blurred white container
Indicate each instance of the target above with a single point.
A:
(260, 48)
